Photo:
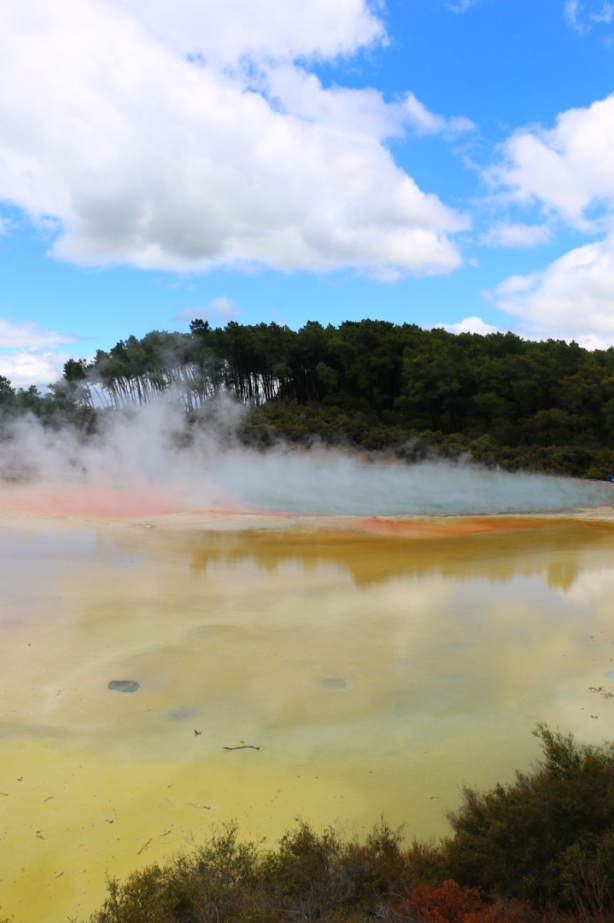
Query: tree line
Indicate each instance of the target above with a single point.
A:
(504, 400)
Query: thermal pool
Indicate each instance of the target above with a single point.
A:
(377, 665)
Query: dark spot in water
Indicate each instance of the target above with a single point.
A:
(123, 685)
(334, 682)
(180, 714)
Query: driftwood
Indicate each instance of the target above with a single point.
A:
(242, 747)
(602, 692)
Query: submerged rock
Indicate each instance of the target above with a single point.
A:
(180, 714)
(123, 685)
(334, 682)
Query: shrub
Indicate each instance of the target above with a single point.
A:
(215, 882)
(539, 838)
(451, 903)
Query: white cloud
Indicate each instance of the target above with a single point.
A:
(296, 92)
(508, 234)
(604, 14)
(229, 29)
(582, 16)
(570, 15)
(221, 308)
(568, 169)
(573, 298)
(224, 307)
(144, 157)
(428, 123)
(359, 112)
(459, 6)
(28, 355)
(28, 334)
(468, 325)
(25, 367)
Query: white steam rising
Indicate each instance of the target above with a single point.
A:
(150, 453)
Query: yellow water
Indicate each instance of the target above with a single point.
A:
(376, 668)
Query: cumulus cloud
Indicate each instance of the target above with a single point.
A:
(221, 308)
(469, 325)
(508, 234)
(568, 169)
(573, 298)
(25, 367)
(187, 138)
(28, 355)
(428, 123)
(229, 29)
(30, 335)
(296, 91)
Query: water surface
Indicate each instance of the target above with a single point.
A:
(377, 670)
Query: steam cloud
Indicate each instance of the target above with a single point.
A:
(147, 462)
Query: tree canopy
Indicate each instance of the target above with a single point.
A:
(374, 384)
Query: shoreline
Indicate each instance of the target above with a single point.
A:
(153, 508)
(439, 525)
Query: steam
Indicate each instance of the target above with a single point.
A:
(147, 461)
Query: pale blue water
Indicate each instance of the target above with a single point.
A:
(338, 485)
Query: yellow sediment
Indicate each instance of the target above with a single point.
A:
(377, 664)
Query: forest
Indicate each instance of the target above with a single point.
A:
(373, 385)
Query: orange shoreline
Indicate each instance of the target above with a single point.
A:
(149, 505)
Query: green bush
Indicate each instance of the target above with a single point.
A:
(546, 837)
(310, 876)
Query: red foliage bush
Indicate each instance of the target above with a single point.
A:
(450, 903)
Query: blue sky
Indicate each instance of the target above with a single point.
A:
(439, 162)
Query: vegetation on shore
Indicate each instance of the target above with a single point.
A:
(373, 385)
(538, 849)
